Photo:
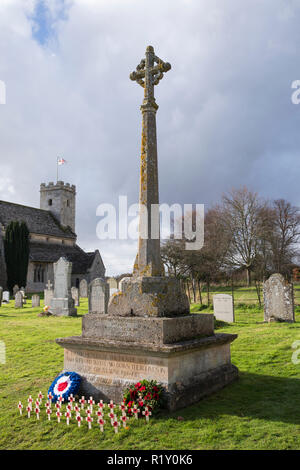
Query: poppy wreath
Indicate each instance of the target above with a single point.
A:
(65, 384)
(143, 393)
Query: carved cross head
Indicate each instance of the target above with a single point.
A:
(150, 70)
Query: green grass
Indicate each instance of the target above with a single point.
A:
(259, 411)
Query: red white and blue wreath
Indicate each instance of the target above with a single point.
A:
(64, 385)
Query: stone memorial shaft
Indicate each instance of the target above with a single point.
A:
(148, 261)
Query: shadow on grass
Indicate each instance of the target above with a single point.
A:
(252, 396)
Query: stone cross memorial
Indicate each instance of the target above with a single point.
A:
(62, 303)
(98, 293)
(223, 307)
(48, 294)
(278, 299)
(83, 288)
(149, 332)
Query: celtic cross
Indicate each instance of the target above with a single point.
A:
(148, 74)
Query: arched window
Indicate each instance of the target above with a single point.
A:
(49, 202)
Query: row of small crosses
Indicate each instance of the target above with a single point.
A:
(89, 411)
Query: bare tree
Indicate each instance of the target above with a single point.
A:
(243, 219)
(284, 236)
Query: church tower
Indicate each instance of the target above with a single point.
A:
(59, 199)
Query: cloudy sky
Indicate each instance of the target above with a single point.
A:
(225, 115)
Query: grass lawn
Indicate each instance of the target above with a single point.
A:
(259, 411)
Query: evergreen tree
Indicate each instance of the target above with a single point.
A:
(16, 248)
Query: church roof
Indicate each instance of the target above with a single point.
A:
(38, 221)
(50, 253)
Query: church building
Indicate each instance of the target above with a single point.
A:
(52, 235)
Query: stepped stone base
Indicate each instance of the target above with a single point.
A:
(188, 369)
(154, 296)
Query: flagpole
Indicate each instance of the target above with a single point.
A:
(56, 169)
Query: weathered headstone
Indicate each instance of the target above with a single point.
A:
(5, 298)
(62, 303)
(75, 296)
(19, 300)
(278, 299)
(35, 300)
(22, 290)
(83, 288)
(98, 296)
(16, 288)
(48, 294)
(1, 295)
(223, 307)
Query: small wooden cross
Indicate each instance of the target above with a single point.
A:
(30, 400)
(48, 412)
(20, 406)
(101, 405)
(58, 414)
(37, 411)
(112, 416)
(111, 405)
(79, 419)
(82, 402)
(50, 396)
(91, 402)
(147, 413)
(40, 396)
(136, 411)
(89, 420)
(77, 409)
(101, 423)
(48, 404)
(68, 416)
(61, 399)
(122, 407)
(124, 418)
(116, 425)
(29, 409)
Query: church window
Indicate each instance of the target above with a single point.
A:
(68, 203)
(39, 273)
(50, 202)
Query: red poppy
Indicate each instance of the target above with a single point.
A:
(141, 389)
(155, 388)
(138, 385)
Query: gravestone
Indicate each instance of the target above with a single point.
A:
(35, 300)
(98, 296)
(19, 300)
(5, 298)
(1, 295)
(83, 288)
(223, 307)
(48, 294)
(22, 290)
(62, 303)
(75, 296)
(16, 288)
(278, 299)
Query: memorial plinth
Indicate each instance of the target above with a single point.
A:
(149, 332)
(188, 369)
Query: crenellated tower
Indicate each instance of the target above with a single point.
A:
(60, 199)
